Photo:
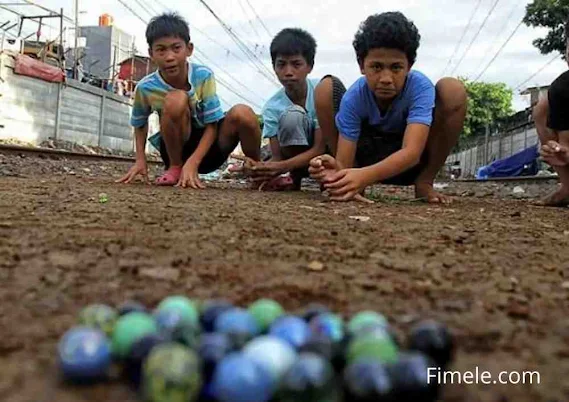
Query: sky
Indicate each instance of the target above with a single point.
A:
(333, 23)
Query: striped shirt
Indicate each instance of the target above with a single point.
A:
(152, 89)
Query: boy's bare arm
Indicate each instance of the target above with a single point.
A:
(303, 159)
(414, 142)
(346, 153)
(275, 146)
(139, 167)
(208, 138)
(140, 134)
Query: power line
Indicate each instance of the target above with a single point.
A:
(206, 35)
(222, 83)
(476, 36)
(252, 56)
(132, 11)
(459, 43)
(203, 55)
(147, 7)
(498, 35)
(234, 91)
(247, 18)
(210, 61)
(499, 50)
(557, 56)
(259, 19)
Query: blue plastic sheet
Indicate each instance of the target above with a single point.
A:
(523, 163)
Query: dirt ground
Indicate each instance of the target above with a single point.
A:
(494, 268)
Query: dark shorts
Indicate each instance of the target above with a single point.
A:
(375, 145)
(212, 161)
(558, 96)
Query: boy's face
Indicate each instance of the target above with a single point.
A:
(170, 54)
(385, 70)
(292, 71)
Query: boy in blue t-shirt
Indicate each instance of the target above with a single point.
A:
(196, 136)
(393, 125)
(289, 116)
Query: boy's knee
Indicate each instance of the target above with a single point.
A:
(451, 95)
(242, 115)
(176, 104)
(294, 127)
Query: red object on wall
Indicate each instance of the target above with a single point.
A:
(26, 65)
(141, 65)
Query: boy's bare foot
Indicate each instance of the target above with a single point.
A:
(426, 192)
(559, 198)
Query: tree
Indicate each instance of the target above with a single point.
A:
(553, 15)
(487, 103)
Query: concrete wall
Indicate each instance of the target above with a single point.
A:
(499, 147)
(32, 110)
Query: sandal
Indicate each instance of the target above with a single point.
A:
(170, 177)
(279, 183)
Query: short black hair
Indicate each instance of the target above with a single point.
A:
(167, 25)
(293, 41)
(390, 30)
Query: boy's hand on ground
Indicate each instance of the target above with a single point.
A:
(555, 154)
(345, 184)
(189, 177)
(139, 168)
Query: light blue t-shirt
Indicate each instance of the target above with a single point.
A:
(280, 102)
(414, 105)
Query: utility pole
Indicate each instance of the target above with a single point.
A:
(114, 62)
(76, 51)
(61, 51)
(132, 66)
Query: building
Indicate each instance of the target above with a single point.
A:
(142, 67)
(536, 93)
(106, 47)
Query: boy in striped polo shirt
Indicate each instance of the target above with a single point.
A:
(196, 136)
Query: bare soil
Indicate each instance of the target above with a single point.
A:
(493, 268)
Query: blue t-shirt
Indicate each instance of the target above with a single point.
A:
(280, 102)
(415, 104)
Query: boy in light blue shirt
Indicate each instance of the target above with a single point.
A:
(289, 116)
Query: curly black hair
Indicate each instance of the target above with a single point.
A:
(294, 41)
(165, 25)
(389, 30)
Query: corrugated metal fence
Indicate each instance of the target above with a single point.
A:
(33, 111)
